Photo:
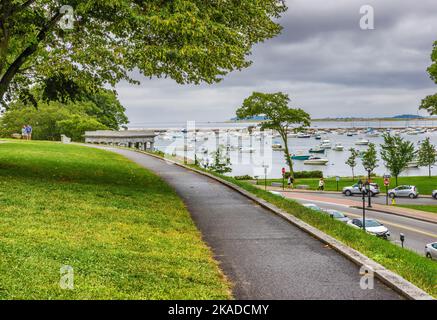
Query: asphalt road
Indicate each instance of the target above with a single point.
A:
(263, 255)
(381, 199)
(417, 233)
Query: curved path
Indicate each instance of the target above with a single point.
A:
(263, 255)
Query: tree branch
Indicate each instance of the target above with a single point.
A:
(21, 59)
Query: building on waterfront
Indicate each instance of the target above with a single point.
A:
(140, 139)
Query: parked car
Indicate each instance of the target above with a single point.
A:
(431, 250)
(350, 191)
(337, 215)
(404, 191)
(434, 194)
(312, 206)
(372, 226)
(276, 193)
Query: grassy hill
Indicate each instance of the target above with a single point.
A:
(124, 231)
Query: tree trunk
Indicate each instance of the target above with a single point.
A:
(429, 170)
(287, 154)
(396, 178)
(353, 174)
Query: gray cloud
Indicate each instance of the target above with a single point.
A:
(322, 59)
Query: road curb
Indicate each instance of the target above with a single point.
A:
(389, 278)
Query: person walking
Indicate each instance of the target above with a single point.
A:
(24, 133)
(29, 132)
(321, 184)
(290, 182)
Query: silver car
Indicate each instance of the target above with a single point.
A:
(313, 207)
(350, 191)
(404, 191)
(337, 215)
(431, 250)
(434, 194)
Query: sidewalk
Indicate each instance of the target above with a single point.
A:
(318, 196)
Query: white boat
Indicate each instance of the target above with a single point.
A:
(303, 135)
(277, 146)
(373, 134)
(316, 161)
(326, 144)
(247, 150)
(338, 147)
(362, 142)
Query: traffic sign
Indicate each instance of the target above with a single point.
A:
(337, 178)
(386, 182)
(283, 170)
(387, 176)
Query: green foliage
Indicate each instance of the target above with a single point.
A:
(430, 102)
(221, 163)
(282, 118)
(427, 154)
(352, 160)
(370, 158)
(49, 121)
(246, 177)
(305, 174)
(396, 153)
(76, 125)
(190, 41)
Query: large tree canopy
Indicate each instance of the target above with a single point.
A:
(430, 103)
(191, 41)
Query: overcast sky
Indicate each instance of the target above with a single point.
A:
(323, 60)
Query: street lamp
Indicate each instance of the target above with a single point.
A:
(265, 166)
(369, 194)
(363, 190)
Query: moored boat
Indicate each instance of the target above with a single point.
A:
(317, 150)
(338, 147)
(300, 157)
(362, 142)
(316, 161)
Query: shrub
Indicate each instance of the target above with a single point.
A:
(305, 174)
(246, 177)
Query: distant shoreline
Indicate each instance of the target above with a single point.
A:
(346, 120)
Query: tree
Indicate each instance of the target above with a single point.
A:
(370, 158)
(396, 153)
(76, 125)
(221, 163)
(190, 41)
(430, 102)
(352, 161)
(280, 116)
(49, 121)
(427, 155)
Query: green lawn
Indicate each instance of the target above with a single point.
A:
(429, 208)
(425, 185)
(124, 231)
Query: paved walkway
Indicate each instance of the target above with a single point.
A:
(263, 255)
